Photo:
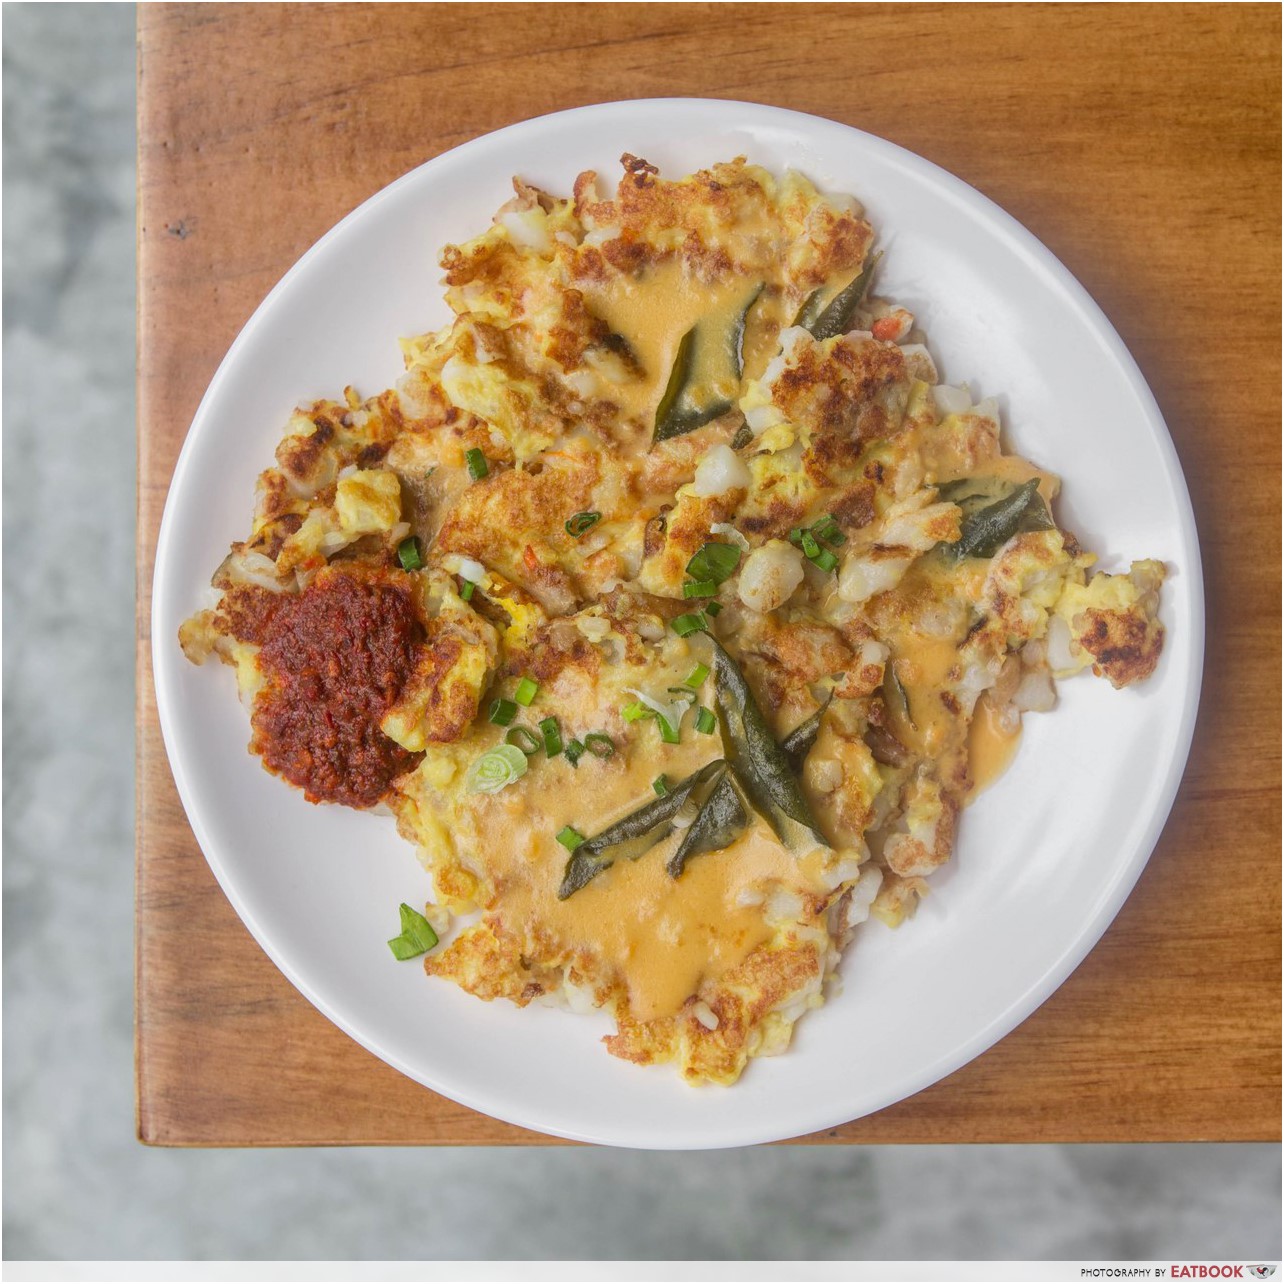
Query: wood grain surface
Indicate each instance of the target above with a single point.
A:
(1140, 143)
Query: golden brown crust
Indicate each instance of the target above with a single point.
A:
(488, 964)
(739, 1003)
(1125, 647)
(840, 393)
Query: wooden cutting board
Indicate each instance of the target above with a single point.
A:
(1140, 143)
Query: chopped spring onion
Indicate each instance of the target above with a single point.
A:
(574, 752)
(683, 693)
(636, 710)
(525, 739)
(467, 591)
(668, 732)
(699, 588)
(552, 734)
(828, 531)
(599, 744)
(525, 692)
(477, 465)
(714, 561)
(502, 712)
(496, 769)
(705, 721)
(417, 936)
(408, 554)
(809, 538)
(661, 785)
(697, 676)
(581, 522)
(570, 838)
(670, 710)
(685, 625)
(713, 608)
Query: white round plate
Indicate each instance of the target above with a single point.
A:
(1045, 858)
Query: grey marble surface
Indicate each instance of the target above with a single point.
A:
(76, 1183)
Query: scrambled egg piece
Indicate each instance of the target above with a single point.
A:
(669, 601)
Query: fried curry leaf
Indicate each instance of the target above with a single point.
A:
(986, 529)
(810, 312)
(825, 323)
(635, 834)
(668, 414)
(710, 355)
(895, 697)
(971, 494)
(797, 744)
(760, 764)
(720, 821)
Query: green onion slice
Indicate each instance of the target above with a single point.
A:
(581, 522)
(713, 608)
(417, 936)
(826, 560)
(524, 739)
(477, 465)
(685, 625)
(633, 712)
(828, 531)
(570, 838)
(668, 732)
(705, 721)
(599, 744)
(574, 752)
(502, 712)
(697, 676)
(699, 588)
(408, 554)
(552, 734)
(496, 769)
(467, 591)
(714, 562)
(525, 692)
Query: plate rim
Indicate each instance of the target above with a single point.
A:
(1020, 238)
